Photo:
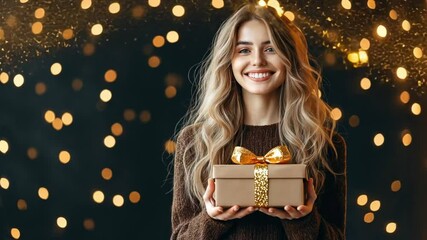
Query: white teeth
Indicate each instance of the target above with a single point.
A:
(258, 75)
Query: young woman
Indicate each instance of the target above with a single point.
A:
(257, 89)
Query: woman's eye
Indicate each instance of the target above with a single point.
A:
(269, 49)
(244, 50)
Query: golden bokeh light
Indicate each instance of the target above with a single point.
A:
(369, 217)
(154, 3)
(406, 25)
(109, 141)
(406, 139)
(4, 183)
(129, 115)
(401, 73)
(89, 224)
(381, 31)
(96, 29)
(118, 200)
(107, 174)
(290, 15)
(4, 146)
(405, 97)
(154, 61)
(395, 186)
(64, 157)
(138, 12)
(170, 91)
(217, 4)
(172, 36)
(32, 153)
(11, 21)
(418, 52)
(68, 33)
(158, 41)
(354, 121)
(170, 146)
(178, 10)
(391, 227)
(145, 116)
(336, 114)
(362, 200)
(116, 129)
(77, 84)
(416, 109)
(57, 124)
(37, 28)
(393, 14)
(40, 88)
(49, 116)
(371, 4)
(14, 232)
(4, 77)
(88, 49)
(43, 193)
(18, 80)
(61, 222)
(375, 205)
(110, 75)
(114, 7)
(56, 68)
(39, 13)
(346, 4)
(23, 1)
(105, 95)
(365, 83)
(134, 197)
(365, 44)
(21, 204)
(98, 196)
(85, 4)
(67, 118)
(379, 139)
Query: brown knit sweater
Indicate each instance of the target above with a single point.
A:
(326, 221)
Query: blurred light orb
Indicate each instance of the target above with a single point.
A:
(114, 7)
(401, 73)
(391, 227)
(4, 146)
(178, 10)
(61, 222)
(378, 139)
(97, 29)
(382, 31)
(56, 69)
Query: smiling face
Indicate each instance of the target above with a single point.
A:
(256, 66)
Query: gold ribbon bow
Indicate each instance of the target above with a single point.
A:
(277, 155)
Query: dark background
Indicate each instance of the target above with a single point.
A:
(139, 160)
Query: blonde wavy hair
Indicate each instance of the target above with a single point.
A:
(216, 114)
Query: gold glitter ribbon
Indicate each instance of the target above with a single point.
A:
(277, 155)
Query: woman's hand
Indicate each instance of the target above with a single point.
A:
(219, 213)
(290, 212)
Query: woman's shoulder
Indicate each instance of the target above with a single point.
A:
(337, 152)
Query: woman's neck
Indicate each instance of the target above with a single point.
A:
(261, 109)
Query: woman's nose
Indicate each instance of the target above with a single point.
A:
(258, 59)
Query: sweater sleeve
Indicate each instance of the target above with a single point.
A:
(328, 218)
(190, 221)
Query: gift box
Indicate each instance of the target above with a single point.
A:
(263, 185)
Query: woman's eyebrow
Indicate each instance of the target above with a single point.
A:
(251, 43)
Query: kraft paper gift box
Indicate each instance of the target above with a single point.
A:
(235, 185)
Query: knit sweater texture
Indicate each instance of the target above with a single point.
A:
(326, 221)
